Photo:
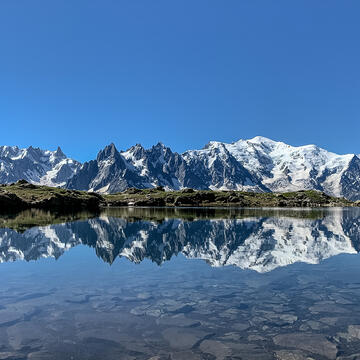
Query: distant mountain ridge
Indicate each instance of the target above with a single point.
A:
(257, 164)
(37, 166)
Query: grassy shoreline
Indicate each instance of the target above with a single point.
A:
(211, 198)
(22, 195)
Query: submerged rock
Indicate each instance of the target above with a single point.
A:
(184, 339)
(314, 343)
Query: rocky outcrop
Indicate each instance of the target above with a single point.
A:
(23, 195)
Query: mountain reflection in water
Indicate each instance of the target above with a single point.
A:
(261, 240)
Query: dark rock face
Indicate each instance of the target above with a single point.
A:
(110, 172)
(158, 166)
(350, 180)
(219, 169)
(83, 178)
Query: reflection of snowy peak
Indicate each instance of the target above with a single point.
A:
(260, 244)
(35, 243)
(37, 166)
(279, 242)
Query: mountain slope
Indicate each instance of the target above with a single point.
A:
(37, 166)
(109, 173)
(287, 168)
(158, 166)
(220, 170)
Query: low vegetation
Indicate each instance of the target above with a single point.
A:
(190, 197)
(22, 196)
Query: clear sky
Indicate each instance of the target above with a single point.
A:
(84, 73)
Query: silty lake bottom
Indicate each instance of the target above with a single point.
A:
(181, 284)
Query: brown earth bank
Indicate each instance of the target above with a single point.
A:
(23, 195)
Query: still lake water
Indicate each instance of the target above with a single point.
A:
(182, 284)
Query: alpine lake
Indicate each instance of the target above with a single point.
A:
(181, 283)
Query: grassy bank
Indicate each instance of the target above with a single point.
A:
(22, 196)
(189, 197)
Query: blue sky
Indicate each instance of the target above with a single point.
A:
(84, 73)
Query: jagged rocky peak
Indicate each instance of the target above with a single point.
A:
(59, 153)
(108, 151)
(137, 151)
(159, 145)
(111, 172)
(160, 149)
(31, 151)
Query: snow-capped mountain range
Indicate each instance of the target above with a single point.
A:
(258, 164)
(37, 166)
(258, 243)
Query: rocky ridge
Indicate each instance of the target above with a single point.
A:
(37, 166)
(258, 165)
